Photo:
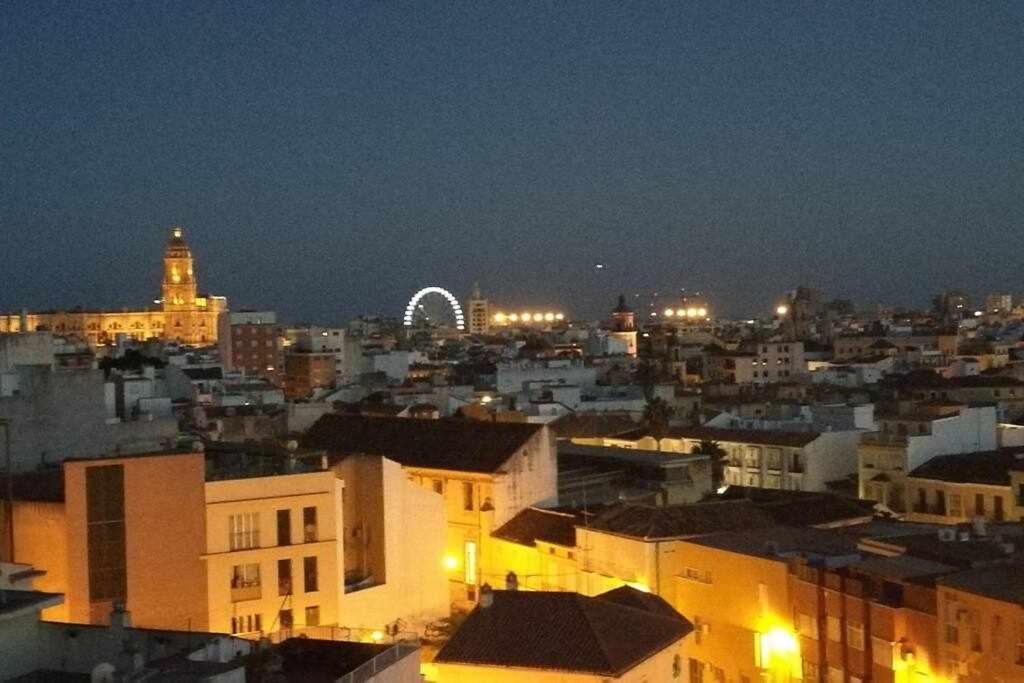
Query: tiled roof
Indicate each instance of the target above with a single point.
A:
(802, 508)
(592, 425)
(562, 632)
(768, 437)
(781, 541)
(447, 444)
(534, 524)
(984, 467)
(676, 521)
(1001, 582)
(647, 602)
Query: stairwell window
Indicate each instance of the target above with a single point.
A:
(468, 503)
(244, 531)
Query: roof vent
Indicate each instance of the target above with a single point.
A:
(486, 596)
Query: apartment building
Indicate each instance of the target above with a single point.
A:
(951, 489)
(762, 458)
(252, 342)
(486, 473)
(910, 436)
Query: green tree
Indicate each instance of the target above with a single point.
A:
(717, 453)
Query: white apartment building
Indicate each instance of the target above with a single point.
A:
(761, 458)
(356, 546)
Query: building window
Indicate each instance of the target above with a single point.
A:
(467, 496)
(250, 623)
(696, 671)
(955, 506)
(437, 485)
(833, 630)
(309, 577)
(807, 625)
(284, 527)
(244, 531)
(997, 511)
(285, 618)
(245, 582)
(855, 636)
(979, 504)
(469, 563)
(309, 534)
(284, 577)
(313, 615)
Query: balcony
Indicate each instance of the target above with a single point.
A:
(246, 592)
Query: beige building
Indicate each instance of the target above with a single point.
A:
(184, 315)
(952, 489)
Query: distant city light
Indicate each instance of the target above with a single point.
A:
(702, 312)
(782, 310)
(514, 317)
(559, 316)
(669, 313)
(549, 317)
(499, 317)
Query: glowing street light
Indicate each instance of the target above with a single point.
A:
(781, 309)
(669, 313)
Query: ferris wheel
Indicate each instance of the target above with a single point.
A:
(415, 310)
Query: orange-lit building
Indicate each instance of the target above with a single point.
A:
(305, 371)
(117, 530)
(253, 342)
(184, 315)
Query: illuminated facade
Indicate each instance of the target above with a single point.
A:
(184, 315)
(479, 313)
(526, 318)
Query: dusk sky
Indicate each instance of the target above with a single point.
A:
(330, 159)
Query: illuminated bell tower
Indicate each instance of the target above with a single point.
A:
(179, 287)
(624, 325)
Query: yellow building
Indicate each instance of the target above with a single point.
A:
(981, 624)
(184, 316)
(486, 472)
(951, 489)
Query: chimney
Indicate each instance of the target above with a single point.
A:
(486, 596)
(120, 617)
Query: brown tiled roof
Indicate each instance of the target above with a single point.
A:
(534, 524)
(591, 424)
(677, 521)
(447, 444)
(802, 508)
(647, 602)
(562, 632)
(768, 437)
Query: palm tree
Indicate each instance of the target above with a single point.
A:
(717, 453)
(657, 414)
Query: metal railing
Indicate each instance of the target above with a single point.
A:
(389, 657)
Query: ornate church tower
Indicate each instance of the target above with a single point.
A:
(179, 288)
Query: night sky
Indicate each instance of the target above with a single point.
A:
(328, 160)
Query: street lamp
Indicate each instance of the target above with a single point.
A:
(782, 310)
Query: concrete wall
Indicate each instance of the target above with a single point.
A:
(41, 540)
(62, 414)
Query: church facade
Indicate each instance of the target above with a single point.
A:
(183, 316)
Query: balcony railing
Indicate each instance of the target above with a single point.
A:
(242, 593)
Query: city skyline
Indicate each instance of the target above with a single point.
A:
(314, 155)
